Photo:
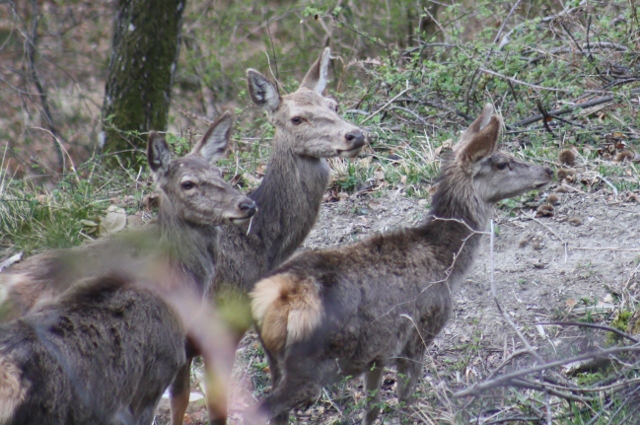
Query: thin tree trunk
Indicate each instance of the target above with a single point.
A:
(146, 40)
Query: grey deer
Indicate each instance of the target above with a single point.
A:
(308, 130)
(194, 201)
(103, 353)
(103, 340)
(353, 310)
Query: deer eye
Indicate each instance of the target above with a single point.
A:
(296, 120)
(187, 185)
(502, 165)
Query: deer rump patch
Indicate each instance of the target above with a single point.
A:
(287, 309)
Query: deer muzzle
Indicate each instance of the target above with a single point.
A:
(355, 142)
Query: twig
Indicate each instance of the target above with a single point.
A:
(545, 117)
(564, 243)
(594, 326)
(605, 248)
(631, 275)
(497, 37)
(507, 361)
(608, 183)
(385, 105)
(523, 383)
(507, 37)
(495, 299)
(594, 102)
(533, 86)
(30, 45)
(410, 112)
(61, 147)
(273, 49)
(506, 379)
(435, 105)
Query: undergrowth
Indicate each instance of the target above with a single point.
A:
(412, 75)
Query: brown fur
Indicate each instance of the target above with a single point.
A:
(189, 217)
(287, 310)
(307, 131)
(13, 389)
(195, 199)
(102, 354)
(382, 301)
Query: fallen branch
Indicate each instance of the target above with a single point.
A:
(566, 110)
(506, 380)
(593, 326)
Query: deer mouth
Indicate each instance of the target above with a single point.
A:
(541, 184)
(349, 153)
(241, 220)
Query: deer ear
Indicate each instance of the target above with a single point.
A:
(483, 144)
(262, 91)
(158, 153)
(478, 124)
(216, 139)
(318, 75)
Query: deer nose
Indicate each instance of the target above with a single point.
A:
(248, 207)
(356, 138)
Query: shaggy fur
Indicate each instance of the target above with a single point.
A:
(102, 355)
(195, 199)
(384, 300)
(289, 310)
(307, 131)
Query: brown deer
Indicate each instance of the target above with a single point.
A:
(116, 345)
(195, 200)
(353, 310)
(103, 353)
(307, 131)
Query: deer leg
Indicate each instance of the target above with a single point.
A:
(288, 394)
(146, 416)
(274, 368)
(216, 404)
(179, 392)
(372, 380)
(409, 370)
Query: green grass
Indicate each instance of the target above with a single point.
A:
(413, 96)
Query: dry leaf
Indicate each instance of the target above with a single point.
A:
(113, 222)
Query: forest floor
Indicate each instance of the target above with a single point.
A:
(579, 262)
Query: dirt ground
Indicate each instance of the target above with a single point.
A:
(579, 261)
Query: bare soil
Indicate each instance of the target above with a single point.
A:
(580, 261)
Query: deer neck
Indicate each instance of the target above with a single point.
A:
(189, 247)
(454, 227)
(288, 200)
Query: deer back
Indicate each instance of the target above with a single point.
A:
(104, 353)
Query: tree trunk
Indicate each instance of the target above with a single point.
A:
(146, 40)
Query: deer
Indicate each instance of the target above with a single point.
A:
(102, 353)
(308, 130)
(58, 318)
(352, 310)
(194, 201)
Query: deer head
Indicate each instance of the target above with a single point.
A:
(495, 175)
(306, 121)
(192, 186)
